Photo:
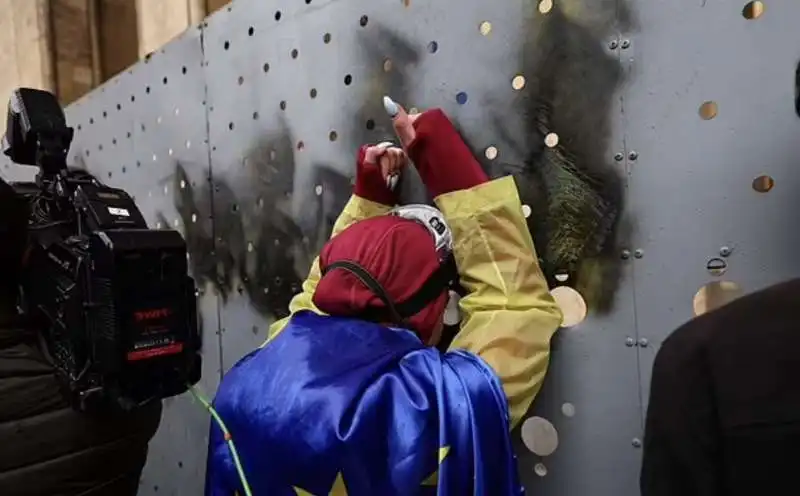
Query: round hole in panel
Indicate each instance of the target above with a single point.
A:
(277, 15)
(518, 82)
(433, 47)
(100, 147)
(300, 146)
(128, 135)
(753, 10)
(540, 436)
(86, 152)
(308, 2)
(240, 80)
(114, 141)
(387, 65)
(138, 163)
(147, 90)
(572, 305)
(708, 110)
(282, 105)
(295, 53)
(485, 28)
(715, 295)
(551, 140)
(80, 127)
(183, 70)
(526, 211)
(490, 152)
(250, 31)
(313, 93)
(255, 116)
(326, 38)
(763, 184)
(165, 80)
(370, 124)
(348, 79)
(716, 266)
(133, 98)
(144, 128)
(462, 97)
(119, 107)
(105, 114)
(545, 6)
(230, 126)
(226, 45)
(568, 409)
(540, 469)
(91, 120)
(363, 21)
(109, 174)
(265, 67)
(124, 169)
(333, 136)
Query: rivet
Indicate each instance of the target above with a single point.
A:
(636, 442)
(626, 254)
(633, 156)
(618, 157)
(625, 44)
(629, 342)
(613, 44)
(638, 253)
(725, 251)
(643, 342)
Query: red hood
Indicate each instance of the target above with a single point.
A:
(398, 253)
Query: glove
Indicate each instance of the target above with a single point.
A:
(378, 169)
(443, 160)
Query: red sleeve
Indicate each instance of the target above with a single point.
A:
(370, 183)
(442, 158)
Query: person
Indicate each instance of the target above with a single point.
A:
(723, 417)
(46, 447)
(348, 394)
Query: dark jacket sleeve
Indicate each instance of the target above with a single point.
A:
(682, 442)
(56, 450)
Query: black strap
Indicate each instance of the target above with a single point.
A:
(398, 312)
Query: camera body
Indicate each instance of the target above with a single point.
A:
(114, 297)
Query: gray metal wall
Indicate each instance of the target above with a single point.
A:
(241, 133)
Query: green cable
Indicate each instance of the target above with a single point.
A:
(228, 437)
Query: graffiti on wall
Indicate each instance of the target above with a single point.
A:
(255, 249)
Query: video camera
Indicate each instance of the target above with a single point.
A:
(114, 297)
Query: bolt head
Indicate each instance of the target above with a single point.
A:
(633, 156)
(625, 254)
(638, 253)
(629, 342)
(625, 44)
(618, 157)
(725, 251)
(613, 44)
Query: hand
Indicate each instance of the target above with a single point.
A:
(390, 159)
(402, 121)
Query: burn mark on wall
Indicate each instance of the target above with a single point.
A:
(575, 188)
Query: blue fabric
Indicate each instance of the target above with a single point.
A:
(342, 398)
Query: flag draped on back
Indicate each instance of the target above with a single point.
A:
(342, 406)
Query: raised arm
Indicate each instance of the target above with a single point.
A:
(508, 315)
(371, 197)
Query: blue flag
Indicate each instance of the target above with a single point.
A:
(342, 406)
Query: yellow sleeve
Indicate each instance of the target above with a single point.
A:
(508, 315)
(357, 209)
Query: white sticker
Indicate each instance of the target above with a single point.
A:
(119, 212)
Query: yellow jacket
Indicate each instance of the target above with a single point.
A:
(509, 316)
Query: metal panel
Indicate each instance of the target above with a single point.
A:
(283, 77)
(691, 184)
